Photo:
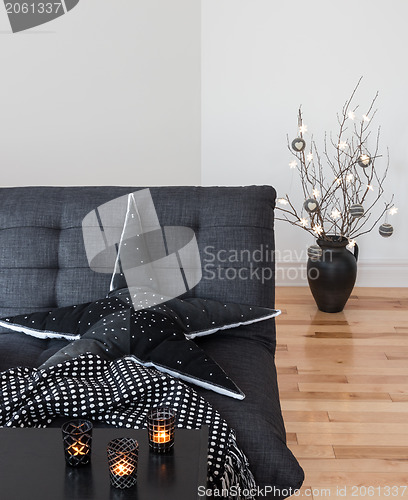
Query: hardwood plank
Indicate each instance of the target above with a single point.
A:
(353, 340)
(352, 369)
(283, 370)
(355, 465)
(335, 379)
(367, 416)
(347, 428)
(337, 352)
(377, 379)
(399, 398)
(349, 396)
(371, 452)
(354, 406)
(288, 385)
(312, 451)
(374, 479)
(321, 387)
(291, 438)
(360, 365)
(353, 439)
(305, 416)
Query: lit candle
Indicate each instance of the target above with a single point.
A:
(123, 456)
(123, 469)
(77, 449)
(161, 436)
(160, 425)
(77, 439)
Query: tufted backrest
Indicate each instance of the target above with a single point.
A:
(43, 262)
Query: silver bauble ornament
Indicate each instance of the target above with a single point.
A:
(356, 210)
(364, 161)
(298, 144)
(314, 252)
(386, 230)
(311, 206)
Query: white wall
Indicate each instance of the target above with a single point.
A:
(111, 94)
(261, 59)
(107, 94)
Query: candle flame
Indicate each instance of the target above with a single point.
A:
(120, 470)
(77, 449)
(161, 436)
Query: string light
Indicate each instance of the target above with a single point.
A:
(282, 201)
(393, 210)
(351, 115)
(293, 164)
(349, 177)
(316, 193)
(309, 157)
(351, 244)
(343, 145)
(365, 118)
(303, 129)
(336, 214)
(303, 222)
(370, 187)
(318, 230)
(338, 180)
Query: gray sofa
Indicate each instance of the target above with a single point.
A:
(43, 265)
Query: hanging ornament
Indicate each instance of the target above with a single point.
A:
(311, 206)
(364, 161)
(314, 252)
(356, 211)
(386, 230)
(298, 144)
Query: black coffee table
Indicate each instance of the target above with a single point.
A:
(32, 467)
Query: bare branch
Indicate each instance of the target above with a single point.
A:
(336, 180)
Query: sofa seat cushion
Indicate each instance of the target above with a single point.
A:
(257, 419)
(24, 350)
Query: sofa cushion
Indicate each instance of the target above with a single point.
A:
(24, 350)
(43, 263)
(257, 419)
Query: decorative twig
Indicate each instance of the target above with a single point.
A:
(349, 181)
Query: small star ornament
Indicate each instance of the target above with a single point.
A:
(311, 206)
(314, 252)
(356, 211)
(386, 230)
(364, 161)
(298, 144)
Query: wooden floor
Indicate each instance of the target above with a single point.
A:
(343, 381)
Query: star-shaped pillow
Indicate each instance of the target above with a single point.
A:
(112, 329)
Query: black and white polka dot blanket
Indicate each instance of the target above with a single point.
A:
(120, 393)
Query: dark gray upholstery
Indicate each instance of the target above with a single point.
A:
(43, 265)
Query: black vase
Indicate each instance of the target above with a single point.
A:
(332, 276)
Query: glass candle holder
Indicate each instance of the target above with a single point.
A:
(77, 438)
(123, 454)
(160, 425)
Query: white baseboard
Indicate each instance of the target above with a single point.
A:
(369, 273)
